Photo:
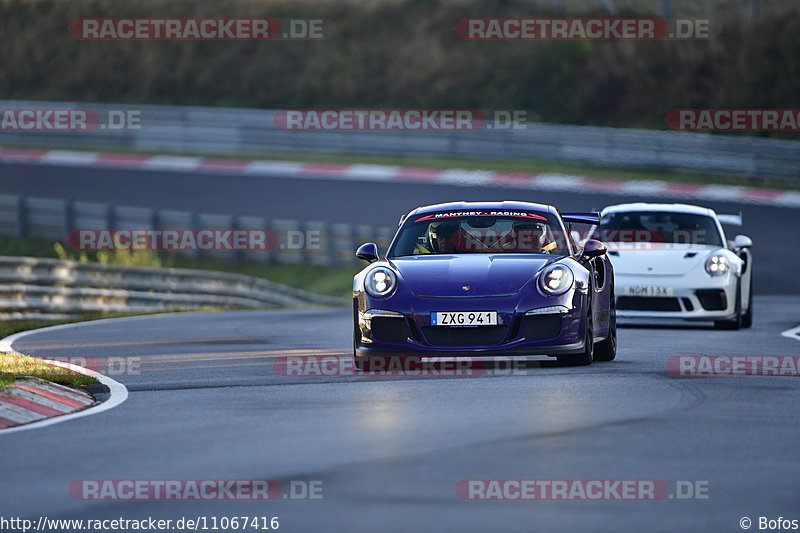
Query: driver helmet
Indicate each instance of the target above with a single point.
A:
(529, 235)
(441, 229)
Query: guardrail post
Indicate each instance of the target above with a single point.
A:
(305, 253)
(20, 224)
(69, 216)
(196, 223)
(110, 217)
(355, 242)
(238, 254)
(330, 245)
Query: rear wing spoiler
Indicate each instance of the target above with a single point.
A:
(731, 220)
(581, 218)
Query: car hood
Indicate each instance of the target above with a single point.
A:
(663, 262)
(483, 274)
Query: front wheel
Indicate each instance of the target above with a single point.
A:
(747, 317)
(585, 357)
(607, 350)
(736, 322)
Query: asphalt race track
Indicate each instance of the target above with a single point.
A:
(206, 402)
(208, 399)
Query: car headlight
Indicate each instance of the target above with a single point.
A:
(717, 265)
(556, 279)
(380, 282)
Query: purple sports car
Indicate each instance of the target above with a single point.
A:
(486, 278)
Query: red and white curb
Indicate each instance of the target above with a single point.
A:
(387, 173)
(32, 399)
(32, 403)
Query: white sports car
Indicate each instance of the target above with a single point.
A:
(673, 261)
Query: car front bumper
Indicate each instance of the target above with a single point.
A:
(707, 299)
(555, 329)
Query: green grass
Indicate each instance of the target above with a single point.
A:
(503, 165)
(14, 366)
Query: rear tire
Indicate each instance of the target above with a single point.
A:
(356, 334)
(736, 322)
(359, 362)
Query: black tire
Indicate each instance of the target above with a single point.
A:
(356, 335)
(607, 350)
(747, 318)
(586, 357)
(361, 363)
(736, 322)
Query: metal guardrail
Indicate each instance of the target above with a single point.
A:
(26, 216)
(231, 130)
(30, 285)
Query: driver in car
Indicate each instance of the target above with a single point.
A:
(440, 236)
(531, 237)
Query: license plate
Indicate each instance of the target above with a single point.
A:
(464, 318)
(648, 290)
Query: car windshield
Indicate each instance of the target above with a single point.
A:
(658, 227)
(481, 232)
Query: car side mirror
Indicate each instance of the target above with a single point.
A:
(593, 248)
(742, 241)
(368, 252)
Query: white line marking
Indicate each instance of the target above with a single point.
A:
(793, 333)
(655, 187)
(70, 158)
(557, 182)
(118, 391)
(168, 162)
(371, 172)
(721, 192)
(788, 199)
(273, 168)
(465, 177)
